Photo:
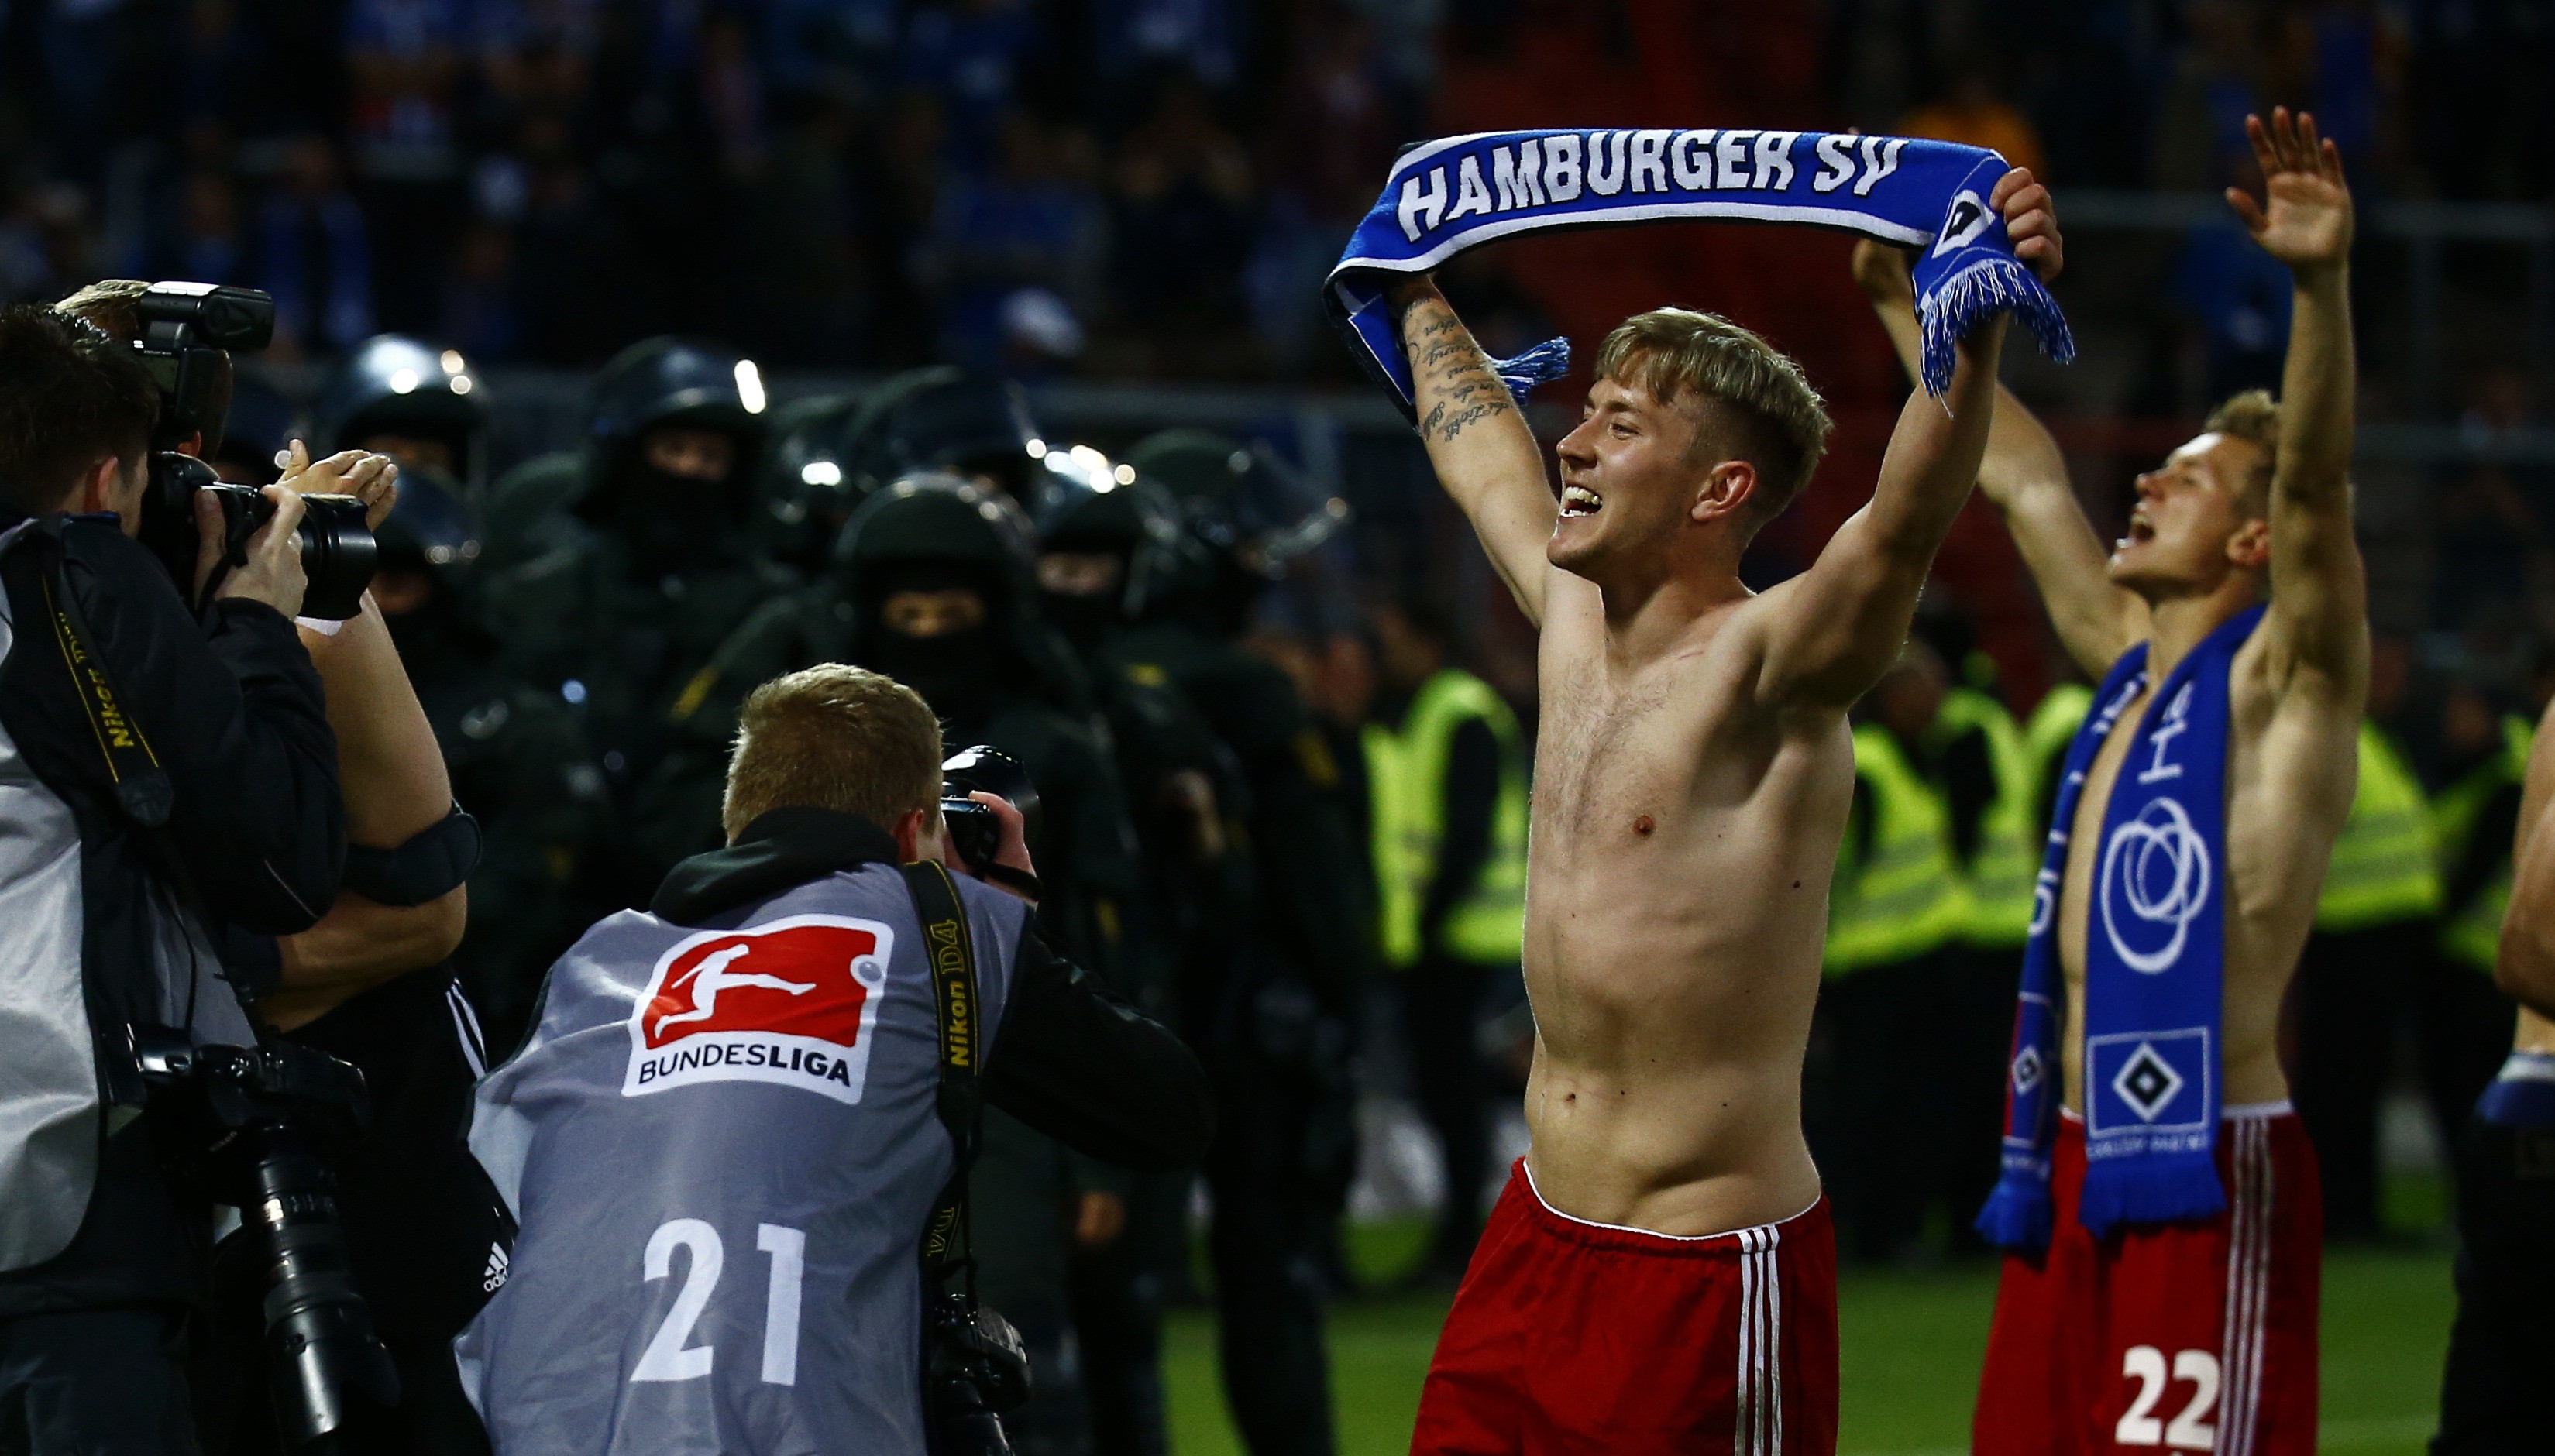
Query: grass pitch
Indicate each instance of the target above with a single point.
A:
(1912, 1346)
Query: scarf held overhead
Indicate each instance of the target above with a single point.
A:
(2155, 947)
(1457, 192)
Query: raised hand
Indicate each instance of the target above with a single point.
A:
(2030, 220)
(370, 478)
(1881, 271)
(2307, 223)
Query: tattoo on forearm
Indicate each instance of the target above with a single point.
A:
(1450, 367)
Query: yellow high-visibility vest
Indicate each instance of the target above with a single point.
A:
(2000, 876)
(2471, 932)
(2383, 867)
(1406, 789)
(2046, 735)
(1902, 895)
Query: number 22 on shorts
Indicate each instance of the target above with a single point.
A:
(669, 1356)
(2189, 1431)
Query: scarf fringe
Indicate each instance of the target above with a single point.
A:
(1543, 364)
(1991, 284)
(2016, 1217)
(2117, 1193)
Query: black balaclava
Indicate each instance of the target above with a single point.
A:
(668, 518)
(955, 672)
(1086, 620)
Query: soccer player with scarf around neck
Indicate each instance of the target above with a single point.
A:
(2256, 507)
(1695, 771)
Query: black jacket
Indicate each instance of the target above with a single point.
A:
(1068, 1058)
(229, 708)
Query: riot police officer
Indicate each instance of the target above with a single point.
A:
(833, 452)
(1107, 550)
(620, 571)
(1270, 1006)
(931, 585)
(420, 404)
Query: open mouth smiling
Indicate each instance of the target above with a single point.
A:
(1579, 500)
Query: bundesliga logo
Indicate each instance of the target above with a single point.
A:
(790, 1002)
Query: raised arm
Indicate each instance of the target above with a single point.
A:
(2318, 626)
(1477, 441)
(2526, 968)
(2024, 477)
(1834, 629)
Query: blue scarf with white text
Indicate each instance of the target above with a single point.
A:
(1453, 193)
(2155, 942)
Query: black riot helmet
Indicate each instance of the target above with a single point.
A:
(933, 532)
(1088, 506)
(433, 532)
(943, 418)
(396, 385)
(428, 529)
(805, 494)
(1247, 514)
(660, 383)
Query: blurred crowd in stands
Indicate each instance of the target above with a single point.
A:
(1119, 189)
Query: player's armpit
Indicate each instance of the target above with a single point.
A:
(1832, 631)
(1478, 442)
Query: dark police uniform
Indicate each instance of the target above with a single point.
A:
(1266, 997)
(615, 584)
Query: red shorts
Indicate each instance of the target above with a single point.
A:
(1569, 1336)
(2158, 1339)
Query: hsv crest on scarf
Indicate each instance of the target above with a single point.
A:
(1457, 192)
(2154, 965)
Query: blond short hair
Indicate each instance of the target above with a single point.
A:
(1771, 416)
(833, 737)
(2255, 416)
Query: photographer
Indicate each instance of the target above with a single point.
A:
(367, 985)
(751, 1073)
(184, 786)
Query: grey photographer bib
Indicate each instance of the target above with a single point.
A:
(721, 1147)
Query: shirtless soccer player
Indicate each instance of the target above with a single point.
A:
(2195, 1334)
(1660, 1275)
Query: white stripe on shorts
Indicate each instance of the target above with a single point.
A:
(1761, 1343)
(2248, 1266)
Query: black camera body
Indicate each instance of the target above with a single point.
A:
(187, 330)
(337, 548)
(973, 830)
(265, 1117)
(975, 1368)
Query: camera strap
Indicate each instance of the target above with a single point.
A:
(951, 949)
(142, 788)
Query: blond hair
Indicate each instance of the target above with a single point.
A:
(833, 737)
(2255, 416)
(1771, 416)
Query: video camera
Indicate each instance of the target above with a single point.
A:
(189, 332)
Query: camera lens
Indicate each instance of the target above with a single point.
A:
(338, 553)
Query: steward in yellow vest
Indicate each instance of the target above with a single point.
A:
(1898, 893)
(2383, 868)
(2473, 820)
(1446, 788)
(1480, 913)
(2045, 736)
(1996, 846)
(1873, 1083)
(2363, 972)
